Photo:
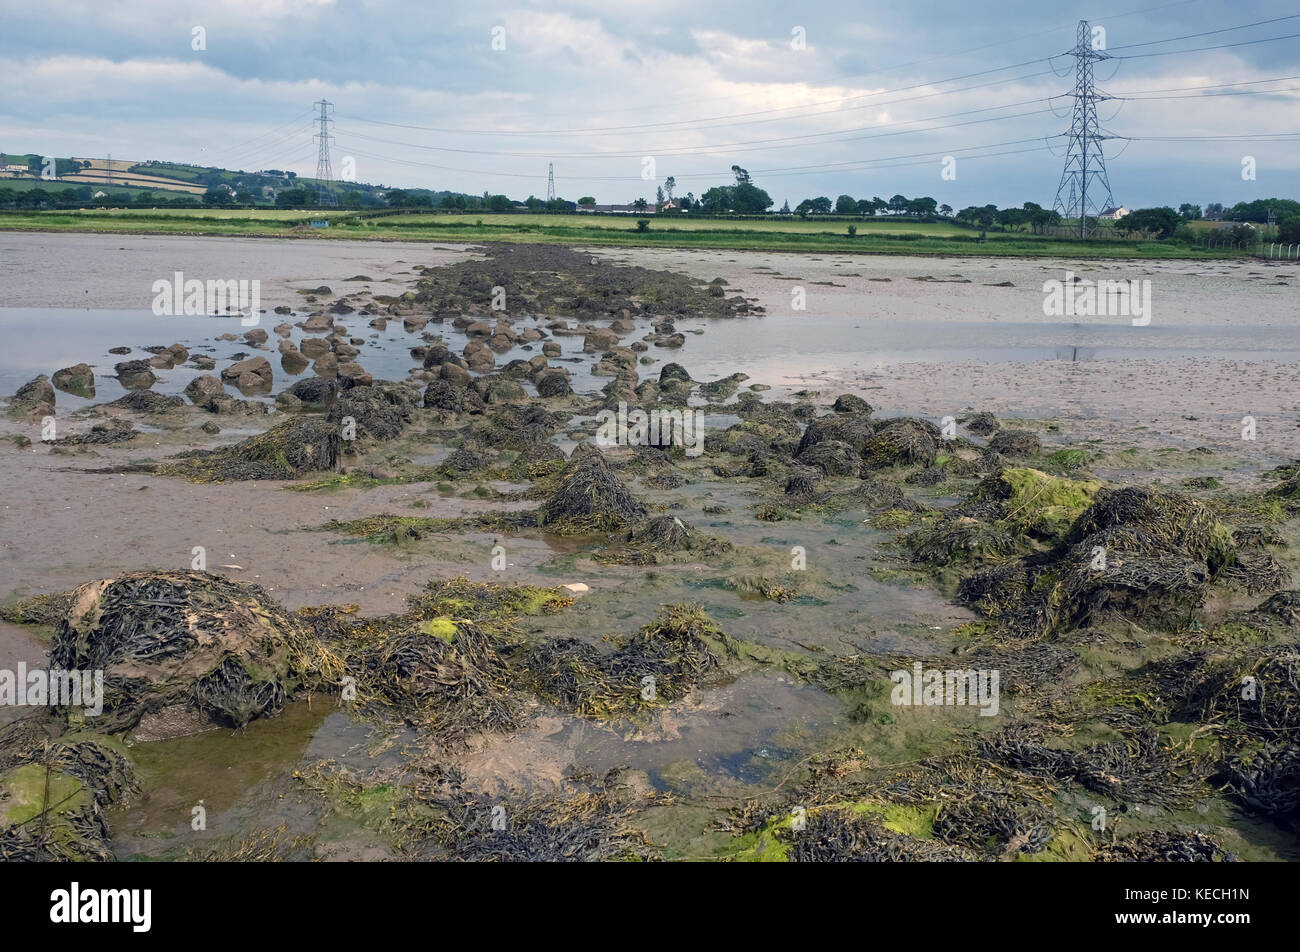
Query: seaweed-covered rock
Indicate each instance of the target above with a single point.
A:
(380, 411)
(54, 796)
(285, 451)
(444, 395)
(851, 403)
(553, 383)
(146, 401)
(164, 639)
(1015, 443)
(853, 430)
(832, 457)
(982, 423)
(589, 496)
(671, 371)
(901, 442)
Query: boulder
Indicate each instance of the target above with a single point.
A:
(78, 380)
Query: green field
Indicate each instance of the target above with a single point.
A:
(793, 235)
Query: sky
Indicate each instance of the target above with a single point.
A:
(844, 97)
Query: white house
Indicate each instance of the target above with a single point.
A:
(1113, 214)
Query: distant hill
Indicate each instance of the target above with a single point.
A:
(91, 176)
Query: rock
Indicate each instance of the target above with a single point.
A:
(455, 374)
(163, 361)
(481, 361)
(496, 389)
(180, 352)
(210, 428)
(135, 375)
(256, 336)
(352, 374)
(599, 339)
(327, 365)
(283, 309)
(552, 349)
(623, 327)
(478, 329)
(313, 347)
(204, 363)
(437, 355)
(577, 588)
(319, 391)
(34, 398)
(317, 322)
(258, 368)
(119, 350)
(78, 380)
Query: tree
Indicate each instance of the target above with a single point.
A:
(1039, 217)
(587, 200)
(1214, 211)
(845, 205)
(640, 204)
(1013, 218)
(659, 197)
(245, 197)
(922, 207)
(749, 199)
(742, 177)
(686, 203)
(533, 203)
(670, 183)
(216, 196)
(945, 211)
(1159, 222)
(1289, 230)
(397, 198)
(898, 204)
(1189, 212)
(866, 207)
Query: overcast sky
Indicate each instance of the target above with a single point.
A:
(869, 103)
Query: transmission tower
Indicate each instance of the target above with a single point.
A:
(1084, 177)
(324, 174)
(550, 181)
